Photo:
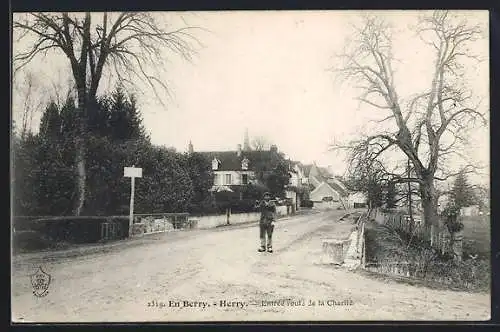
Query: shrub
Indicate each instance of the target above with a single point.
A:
(391, 244)
(306, 204)
(29, 240)
(243, 206)
(79, 229)
(454, 227)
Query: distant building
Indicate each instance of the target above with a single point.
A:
(357, 200)
(237, 168)
(472, 210)
(327, 190)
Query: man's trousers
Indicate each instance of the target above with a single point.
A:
(266, 232)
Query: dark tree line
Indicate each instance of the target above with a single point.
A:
(44, 164)
(125, 44)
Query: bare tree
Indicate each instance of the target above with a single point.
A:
(432, 124)
(260, 143)
(122, 44)
(29, 91)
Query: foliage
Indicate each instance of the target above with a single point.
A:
(254, 191)
(390, 196)
(306, 203)
(277, 179)
(44, 164)
(201, 175)
(451, 213)
(165, 185)
(367, 181)
(462, 193)
(120, 44)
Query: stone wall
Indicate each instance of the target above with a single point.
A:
(204, 222)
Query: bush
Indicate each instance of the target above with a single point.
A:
(241, 206)
(78, 229)
(454, 227)
(29, 240)
(307, 204)
(236, 206)
(390, 244)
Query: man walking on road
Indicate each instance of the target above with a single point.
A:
(267, 216)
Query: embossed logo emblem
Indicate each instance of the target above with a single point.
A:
(40, 282)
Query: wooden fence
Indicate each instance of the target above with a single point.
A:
(438, 236)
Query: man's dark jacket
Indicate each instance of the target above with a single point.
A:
(267, 212)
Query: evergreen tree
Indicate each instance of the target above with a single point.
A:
(50, 123)
(125, 121)
(54, 174)
(462, 193)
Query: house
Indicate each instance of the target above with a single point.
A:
(327, 190)
(235, 169)
(357, 200)
(298, 184)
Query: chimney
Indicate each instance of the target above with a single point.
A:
(190, 148)
(238, 150)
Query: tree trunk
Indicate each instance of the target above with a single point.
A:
(429, 204)
(81, 174)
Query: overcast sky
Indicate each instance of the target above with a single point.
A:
(267, 72)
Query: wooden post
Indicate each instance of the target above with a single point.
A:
(228, 215)
(132, 173)
(132, 189)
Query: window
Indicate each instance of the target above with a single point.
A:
(216, 179)
(244, 178)
(227, 179)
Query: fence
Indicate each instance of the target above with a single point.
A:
(438, 236)
(427, 265)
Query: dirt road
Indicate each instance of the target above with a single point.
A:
(218, 275)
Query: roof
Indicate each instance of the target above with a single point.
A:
(337, 187)
(230, 161)
(330, 187)
(321, 174)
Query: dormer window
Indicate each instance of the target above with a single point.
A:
(215, 164)
(244, 164)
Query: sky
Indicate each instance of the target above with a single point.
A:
(268, 72)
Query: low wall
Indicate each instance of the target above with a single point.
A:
(204, 222)
(281, 211)
(154, 225)
(355, 253)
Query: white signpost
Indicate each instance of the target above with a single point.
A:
(132, 173)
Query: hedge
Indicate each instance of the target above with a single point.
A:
(84, 229)
(306, 204)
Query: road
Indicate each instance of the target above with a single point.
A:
(218, 275)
